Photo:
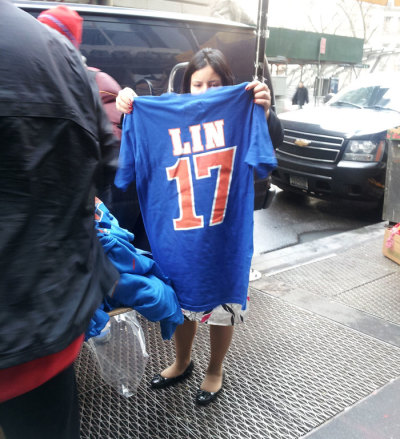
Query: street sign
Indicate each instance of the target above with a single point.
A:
(322, 46)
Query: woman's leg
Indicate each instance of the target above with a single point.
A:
(220, 340)
(184, 336)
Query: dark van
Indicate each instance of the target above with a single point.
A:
(339, 150)
(141, 48)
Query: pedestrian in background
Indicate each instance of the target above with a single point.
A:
(54, 156)
(217, 297)
(301, 95)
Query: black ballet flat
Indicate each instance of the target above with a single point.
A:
(204, 398)
(160, 382)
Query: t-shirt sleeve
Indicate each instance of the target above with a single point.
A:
(260, 155)
(126, 163)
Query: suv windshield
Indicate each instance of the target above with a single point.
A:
(381, 97)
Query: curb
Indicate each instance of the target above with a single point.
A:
(300, 254)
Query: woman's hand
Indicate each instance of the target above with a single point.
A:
(124, 101)
(262, 95)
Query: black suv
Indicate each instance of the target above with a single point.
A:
(339, 150)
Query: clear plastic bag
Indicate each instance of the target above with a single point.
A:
(121, 354)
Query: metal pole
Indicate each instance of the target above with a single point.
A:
(259, 74)
(261, 39)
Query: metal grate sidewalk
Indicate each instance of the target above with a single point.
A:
(287, 372)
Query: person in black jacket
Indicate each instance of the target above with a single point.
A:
(123, 205)
(301, 96)
(57, 151)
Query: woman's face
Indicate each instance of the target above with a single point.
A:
(204, 79)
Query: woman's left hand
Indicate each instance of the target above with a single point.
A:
(262, 94)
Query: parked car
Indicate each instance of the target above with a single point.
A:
(140, 48)
(339, 150)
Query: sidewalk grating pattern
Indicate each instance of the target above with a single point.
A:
(378, 298)
(335, 275)
(287, 372)
(370, 286)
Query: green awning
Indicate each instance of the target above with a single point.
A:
(300, 47)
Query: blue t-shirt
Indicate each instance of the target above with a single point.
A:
(193, 158)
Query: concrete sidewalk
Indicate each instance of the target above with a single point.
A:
(319, 356)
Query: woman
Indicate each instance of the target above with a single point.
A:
(207, 69)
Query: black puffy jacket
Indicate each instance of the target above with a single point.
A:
(56, 144)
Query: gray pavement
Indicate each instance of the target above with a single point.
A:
(319, 356)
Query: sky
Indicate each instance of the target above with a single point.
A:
(313, 15)
(286, 13)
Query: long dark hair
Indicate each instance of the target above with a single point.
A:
(215, 59)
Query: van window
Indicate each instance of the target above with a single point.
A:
(135, 51)
(141, 51)
(133, 34)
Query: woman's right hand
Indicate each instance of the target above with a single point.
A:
(124, 101)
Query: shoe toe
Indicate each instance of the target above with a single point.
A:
(158, 381)
(204, 398)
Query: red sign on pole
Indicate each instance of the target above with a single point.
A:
(322, 46)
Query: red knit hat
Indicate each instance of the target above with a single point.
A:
(66, 21)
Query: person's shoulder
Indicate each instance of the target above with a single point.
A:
(105, 82)
(54, 55)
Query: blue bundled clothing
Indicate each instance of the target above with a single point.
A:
(142, 285)
(97, 322)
